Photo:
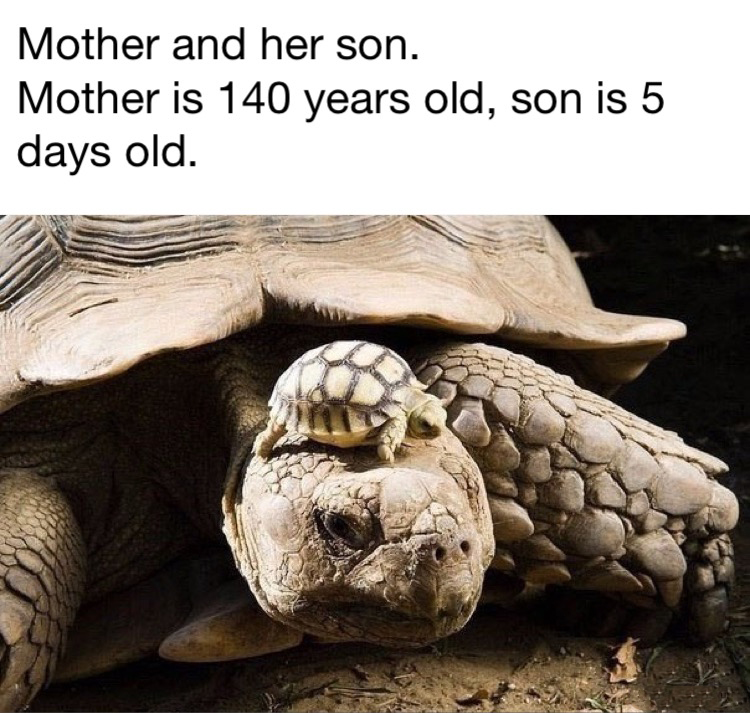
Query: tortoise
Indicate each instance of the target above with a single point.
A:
(139, 353)
(349, 393)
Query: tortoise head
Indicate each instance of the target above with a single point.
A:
(342, 548)
(428, 418)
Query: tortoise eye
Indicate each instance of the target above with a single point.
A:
(337, 530)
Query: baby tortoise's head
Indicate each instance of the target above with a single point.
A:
(428, 418)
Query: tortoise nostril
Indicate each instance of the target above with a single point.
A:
(439, 553)
(465, 547)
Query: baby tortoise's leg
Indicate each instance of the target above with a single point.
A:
(267, 439)
(391, 435)
(42, 575)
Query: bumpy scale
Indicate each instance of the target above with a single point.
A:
(351, 393)
(584, 493)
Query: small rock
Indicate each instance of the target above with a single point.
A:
(595, 469)
(451, 361)
(675, 524)
(510, 382)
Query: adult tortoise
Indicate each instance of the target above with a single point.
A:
(122, 482)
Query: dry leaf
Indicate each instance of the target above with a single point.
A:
(623, 667)
(481, 694)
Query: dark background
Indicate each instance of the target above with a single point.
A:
(695, 269)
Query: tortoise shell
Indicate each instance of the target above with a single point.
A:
(342, 387)
(83, 298)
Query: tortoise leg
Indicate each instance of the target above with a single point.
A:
(391, 435)
(591, 613)
(42, 575)
(585, 494)
(709, 578)
(267, 439)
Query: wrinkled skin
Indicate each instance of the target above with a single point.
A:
(342, 547)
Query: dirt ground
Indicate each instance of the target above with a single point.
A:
(693, 269)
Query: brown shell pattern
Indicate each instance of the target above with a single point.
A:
(344, 386)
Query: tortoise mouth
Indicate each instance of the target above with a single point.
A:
(378, 624)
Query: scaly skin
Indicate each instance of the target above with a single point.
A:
(42, 574)
(390, 437)
(584, 493)
(119, 476)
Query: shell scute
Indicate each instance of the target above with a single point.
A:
(342, 387)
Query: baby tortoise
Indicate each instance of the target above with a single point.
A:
(351, 393)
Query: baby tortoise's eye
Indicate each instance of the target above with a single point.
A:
(339, 532)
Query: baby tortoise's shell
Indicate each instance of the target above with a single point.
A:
(342, 387)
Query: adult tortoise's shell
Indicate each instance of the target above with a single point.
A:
(342, 387)
(83, 298)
